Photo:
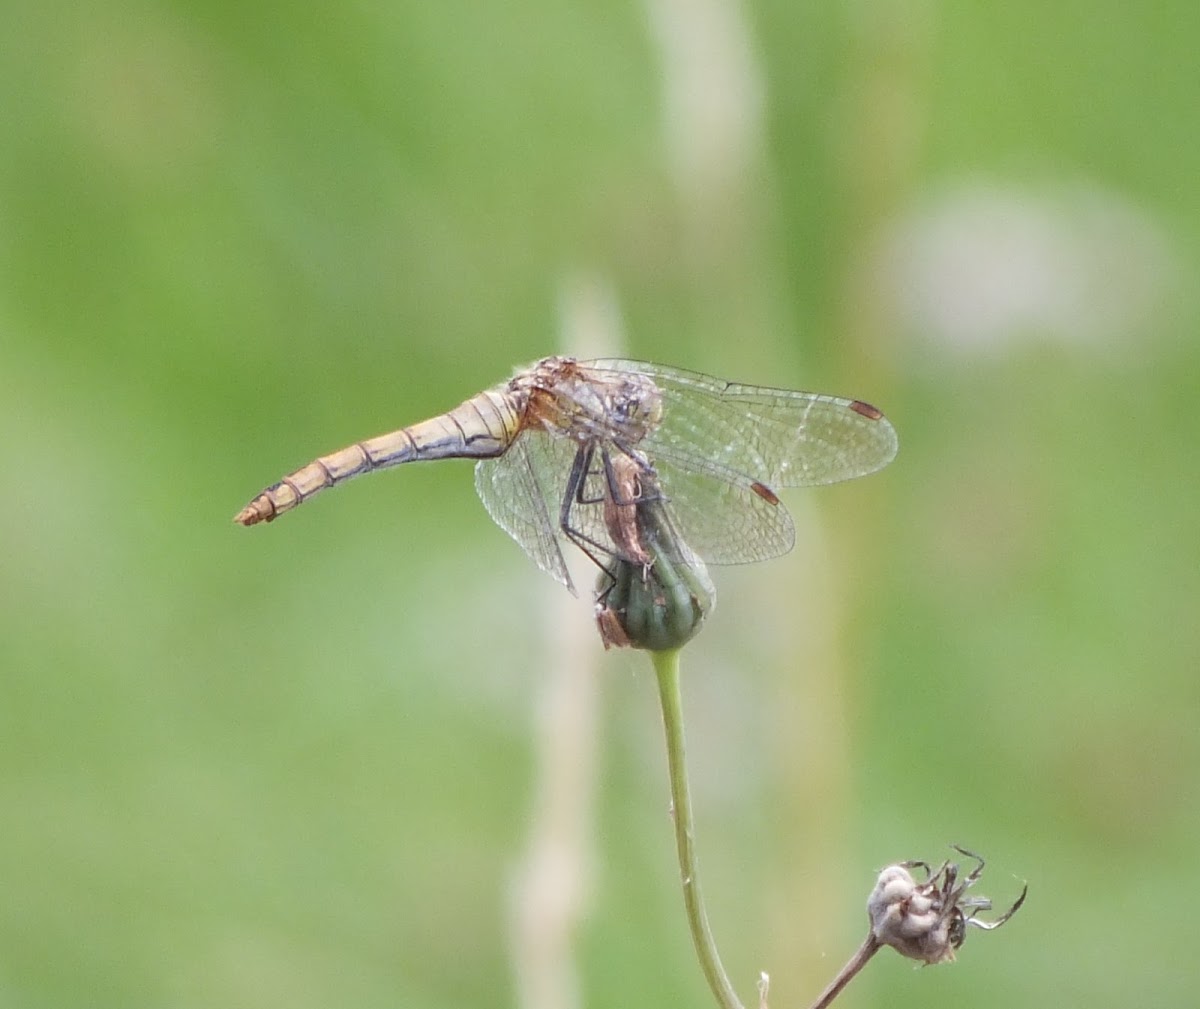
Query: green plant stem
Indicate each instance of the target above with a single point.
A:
(666, 668)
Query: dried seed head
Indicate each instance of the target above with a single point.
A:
(927, 921)
(906, 917)
(922, 921)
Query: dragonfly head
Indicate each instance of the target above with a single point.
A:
(636, 404)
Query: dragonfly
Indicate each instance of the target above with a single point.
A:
(565, 447)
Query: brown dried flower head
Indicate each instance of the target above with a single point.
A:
(928, 921)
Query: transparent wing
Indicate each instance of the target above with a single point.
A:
(721, 518)
(551, 459)
(524, 491)
(778, 437)
(519, 493)
(721, 449)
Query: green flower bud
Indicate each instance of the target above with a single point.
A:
(658, 593)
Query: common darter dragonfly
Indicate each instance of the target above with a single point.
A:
(560, 444)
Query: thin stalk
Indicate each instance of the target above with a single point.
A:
(666, 668)
(868, 949)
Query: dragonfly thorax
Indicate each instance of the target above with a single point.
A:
(589, 405)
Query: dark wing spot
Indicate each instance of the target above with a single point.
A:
(765, 492)
(866, 410)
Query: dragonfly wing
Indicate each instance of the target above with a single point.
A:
(776, 437)
(514, 491)
(551, 461)
(722, 518)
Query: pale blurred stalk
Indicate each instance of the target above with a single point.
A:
(550, 889)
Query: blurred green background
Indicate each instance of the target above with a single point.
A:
(296, 765)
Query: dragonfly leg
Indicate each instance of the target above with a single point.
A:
(597, 553)
(615, 492)
(582, 471)
(623, 492)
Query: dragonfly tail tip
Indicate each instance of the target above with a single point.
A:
(252, 515)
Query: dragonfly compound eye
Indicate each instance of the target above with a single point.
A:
(638, 403)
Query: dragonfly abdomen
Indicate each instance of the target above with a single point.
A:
(481, 428)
